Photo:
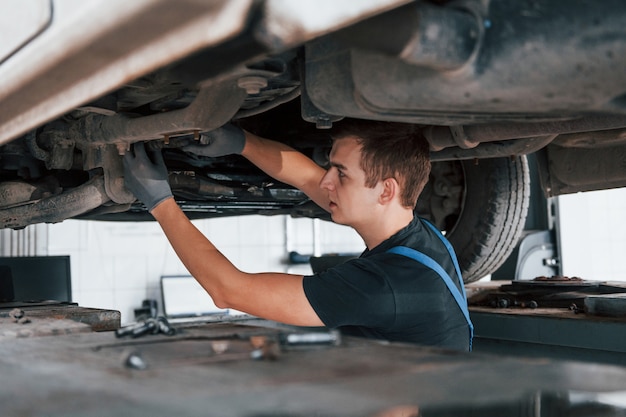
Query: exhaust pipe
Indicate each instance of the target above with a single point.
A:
(79, 200)
(212, 107)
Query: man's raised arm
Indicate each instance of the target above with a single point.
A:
(276, 159)
(273, 296)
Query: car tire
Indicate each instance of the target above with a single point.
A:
(491, 213)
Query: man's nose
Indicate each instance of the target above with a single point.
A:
(326, 182)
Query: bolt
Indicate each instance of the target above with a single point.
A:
(256, 354)
(133, 360)
(267, 350)
(122, 148)
(220, 346)
(252, 84)
(323, 122)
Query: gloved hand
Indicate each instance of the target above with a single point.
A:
(226, 140)
(145, 175)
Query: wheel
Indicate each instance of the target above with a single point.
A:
(481, 207)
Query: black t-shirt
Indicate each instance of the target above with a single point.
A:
(392, 297)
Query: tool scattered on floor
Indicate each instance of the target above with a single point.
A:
(152, 325)
(312, 338)
(269, 346)
(133, 360)
(19, 316)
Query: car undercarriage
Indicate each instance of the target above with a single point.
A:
(488, 82)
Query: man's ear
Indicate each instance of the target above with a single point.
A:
(390, 190)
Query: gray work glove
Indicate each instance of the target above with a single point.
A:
(145, 175)
(226, 140)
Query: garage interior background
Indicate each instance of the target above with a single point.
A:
(118, 265)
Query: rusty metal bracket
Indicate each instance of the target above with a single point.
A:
(213, 107)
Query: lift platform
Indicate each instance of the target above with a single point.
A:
(243, 366)
(555, 317)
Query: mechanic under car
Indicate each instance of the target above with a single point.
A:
(406, 286)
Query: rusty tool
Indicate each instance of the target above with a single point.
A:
(148, 326)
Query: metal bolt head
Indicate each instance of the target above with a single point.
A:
(133, 360)
(252, 84)
(323, 123)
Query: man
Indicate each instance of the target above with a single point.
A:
(377, 171)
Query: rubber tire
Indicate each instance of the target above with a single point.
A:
(494, 209)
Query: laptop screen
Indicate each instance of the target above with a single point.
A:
(183, 296)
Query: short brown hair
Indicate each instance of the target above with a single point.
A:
(390, 150)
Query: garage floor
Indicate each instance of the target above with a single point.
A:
(208, 370)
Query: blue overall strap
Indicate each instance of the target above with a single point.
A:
(430, 263)
(450, 251)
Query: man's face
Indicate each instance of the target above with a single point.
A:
(351, 202)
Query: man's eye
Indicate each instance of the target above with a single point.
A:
(340, 173)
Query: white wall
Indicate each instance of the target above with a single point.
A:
(593, 235)
(118, 265)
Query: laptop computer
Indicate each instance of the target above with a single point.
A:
(185, 300)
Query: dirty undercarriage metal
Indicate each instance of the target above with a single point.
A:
(532, 61)
(88, 196)
(208, 370)
(485, 80)
(525, 78)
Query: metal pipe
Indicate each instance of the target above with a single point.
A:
(598, 139)
(494, 150)
(441, 137)
(269, 105)
(57, 208)
(212, 108)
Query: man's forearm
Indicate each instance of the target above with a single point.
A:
(262, 295)
(201, 258)
(286, 164)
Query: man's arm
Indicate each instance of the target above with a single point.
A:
(273, 296)
(276, 159)
(277, 297)
(287, 165)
